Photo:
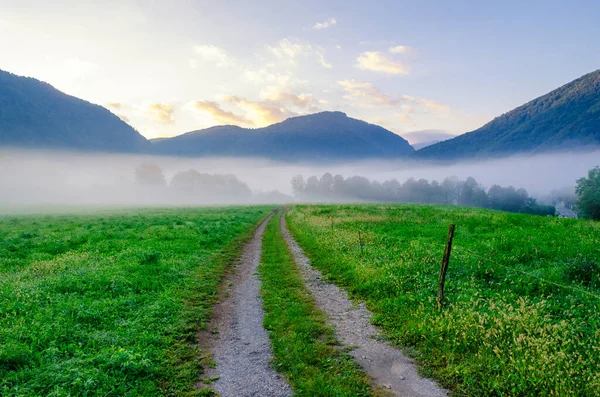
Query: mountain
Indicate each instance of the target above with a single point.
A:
(317, 137)
(566, 118)
(35, 114)
(424, 138)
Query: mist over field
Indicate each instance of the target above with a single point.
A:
(39, 178)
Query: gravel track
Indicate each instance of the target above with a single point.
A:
(242, 349)
(388, 367)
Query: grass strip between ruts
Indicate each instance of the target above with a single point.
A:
(304, 347)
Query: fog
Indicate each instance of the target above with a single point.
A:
(36, 179)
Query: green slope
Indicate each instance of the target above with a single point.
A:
(566, 118)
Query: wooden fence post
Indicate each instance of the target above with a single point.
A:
(444, 267)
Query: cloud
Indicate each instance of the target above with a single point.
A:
(433, 106)
(214, 54)
(116, 105)
(123, 118)
(322, 61)
(160, 112)
(325, 24)
(370, 96)
(301, 102)
(400, 49)
(378, 62)
(262, 76)
(220, 115)
(404, 118)
(274, 106)
(288, 49)
(260, 113)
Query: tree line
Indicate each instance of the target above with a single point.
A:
(193, 182)
(450, 191)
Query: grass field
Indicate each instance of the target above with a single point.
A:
(110, 304)
(523, 294)
(303, 346)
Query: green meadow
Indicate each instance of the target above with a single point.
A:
(521, 316)
(109, 304)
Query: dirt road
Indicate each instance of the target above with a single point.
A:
(389, 368)
(241, 348)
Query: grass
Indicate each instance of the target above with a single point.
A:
(523, 294)
(110, 304)
(304, 347)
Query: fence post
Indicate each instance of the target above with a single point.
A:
(444, 267)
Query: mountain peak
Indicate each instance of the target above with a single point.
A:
(565, 118)
(324, 136)
(35, 114)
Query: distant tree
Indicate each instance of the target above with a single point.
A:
(326, 184)
(298, 185)
(452, 191)
(150, 174)
(210, 185)
(467, 191)
(339, 185)
(451, 187)
(312, 186)
(588, 191)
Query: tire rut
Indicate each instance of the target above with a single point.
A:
(389, 368)
(241, 349)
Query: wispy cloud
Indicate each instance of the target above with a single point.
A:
(214, 54)
(377, 61)
(275, 105)
(219, 115)
(325, 24)
(404, 118)
(369, 96)
(160, 112)
(118, 107)
(115, 105)
(322, 61)
(400, 49)
(432, 106)
(289, 49)
(260, 113)
(366, 93)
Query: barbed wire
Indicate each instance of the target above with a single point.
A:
(528, 274)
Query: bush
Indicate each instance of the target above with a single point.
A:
(588, 191)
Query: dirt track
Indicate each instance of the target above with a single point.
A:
(242, 349)
(389, 368)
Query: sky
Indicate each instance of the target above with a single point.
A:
(167, 68)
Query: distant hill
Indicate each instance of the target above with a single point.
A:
(326, 136)
(34, 114)
(566, 118)
(424, 138)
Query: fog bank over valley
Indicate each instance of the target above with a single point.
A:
(38, 178)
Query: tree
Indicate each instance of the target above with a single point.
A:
(326, 184)
(150, 174)
(298, 185)
(588, 191)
